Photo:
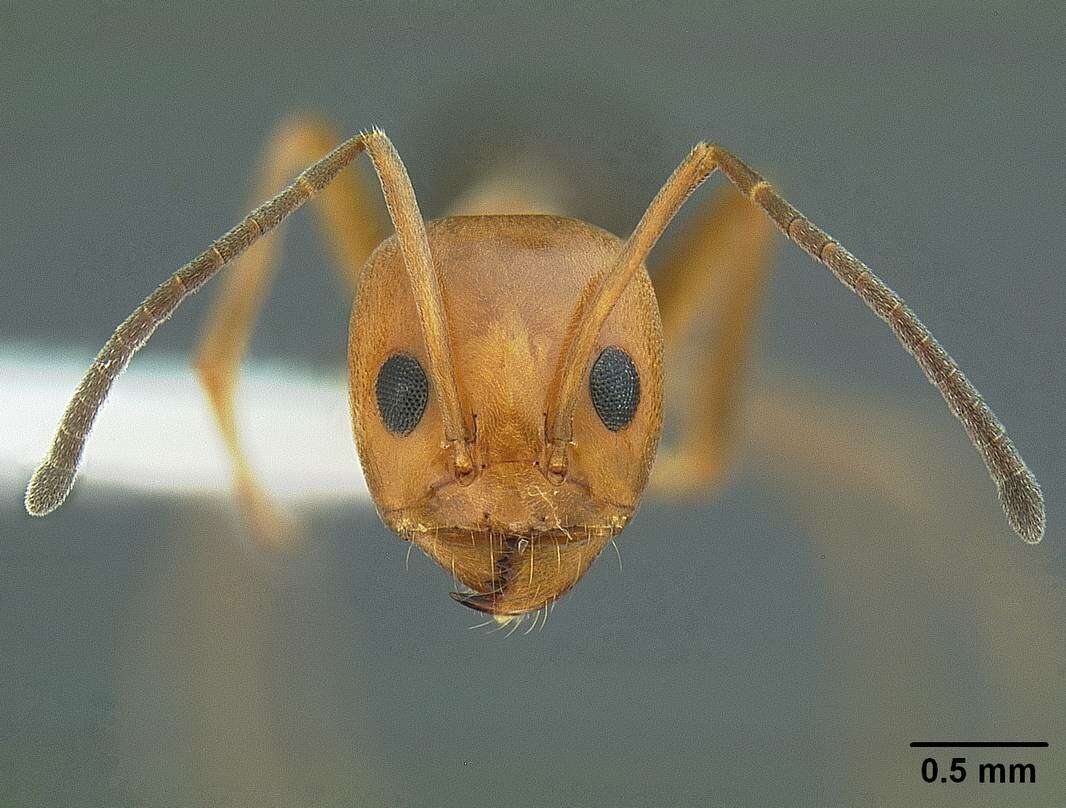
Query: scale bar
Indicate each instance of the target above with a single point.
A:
(979, 744)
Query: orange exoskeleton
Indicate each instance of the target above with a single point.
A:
(510, 286)
(506, 371)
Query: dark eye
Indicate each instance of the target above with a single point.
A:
(402, 391)
(615, 388)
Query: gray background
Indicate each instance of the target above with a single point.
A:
(782, 641)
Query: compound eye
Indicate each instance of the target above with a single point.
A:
(615, 388)
(402, 391)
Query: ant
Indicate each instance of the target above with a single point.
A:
(506, 371)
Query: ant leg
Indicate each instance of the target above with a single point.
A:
(350, 220)
(844, 460)
(719, 267)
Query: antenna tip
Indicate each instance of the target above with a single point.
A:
(48, 488)
(1024, 504)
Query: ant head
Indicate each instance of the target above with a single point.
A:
(514, 534)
